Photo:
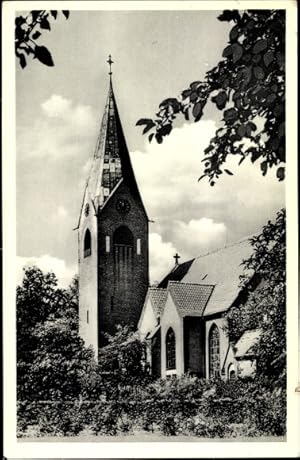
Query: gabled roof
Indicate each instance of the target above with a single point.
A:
(221, 268)
(190, 299)
(246, 345)
(158, 299)
(177, 273)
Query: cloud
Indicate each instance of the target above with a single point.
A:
(193, 216)
(47, 263)
(56, 106)
(61, 212)
(64, 129)
(78, 116)
(161, 257)
(203, 234)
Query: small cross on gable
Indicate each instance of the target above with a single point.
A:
(176, 257)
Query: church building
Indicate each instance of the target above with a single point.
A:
(112, 236)
(183, 318)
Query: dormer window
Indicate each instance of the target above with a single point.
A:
(87, 244)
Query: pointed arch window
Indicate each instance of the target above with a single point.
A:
(123, 255)
(214, 352)
(170, 349)
(87, 244)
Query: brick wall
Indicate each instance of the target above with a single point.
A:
(121, 303)
(194, 345)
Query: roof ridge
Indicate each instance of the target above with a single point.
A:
(190, 284)
(229, 245)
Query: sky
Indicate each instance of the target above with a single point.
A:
(156, 55)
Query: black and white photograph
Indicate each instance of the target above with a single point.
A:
(151, 197)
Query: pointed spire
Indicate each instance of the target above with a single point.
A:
(111, 162)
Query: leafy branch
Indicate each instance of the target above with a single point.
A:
(29, 29)
(248, 86)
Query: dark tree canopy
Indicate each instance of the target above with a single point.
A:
(248, 86)
(266, 305)
(52, 361)
(29, 29)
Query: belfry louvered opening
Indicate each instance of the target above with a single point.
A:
(123, 255)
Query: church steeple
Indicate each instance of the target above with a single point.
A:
(112, 235)
(111, 161)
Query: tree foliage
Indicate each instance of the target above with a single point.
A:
(248, 87)
(52, 362)
(29, 29)
(265, 307)
(124, 354)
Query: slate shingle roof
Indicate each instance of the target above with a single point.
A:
(190, 299)
(221, 268)
(158, 299)
(246, 345)
(178, 272)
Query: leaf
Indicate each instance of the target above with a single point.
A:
(255, 154)
(22, 61)
(268, 58)
(229, 15)
(45, 24)
(66, 13)
(144, 121)
(258, 73)
(260, 46)
(185, 93)
(230, 115)
(148, 127)
(271, 98)
(44, 55)
(237, 52)
(197, 110)
(252, 125)
(220, 99)
(280, 173)
(193, 96)
(159, 138)
(150, 137)
(241, 130)
(54, 13)
(165, 130)
(35, 14)
(227, 51)
(194, 85)
(36, 35)
(264, 167)
(233, 34)
(228, 172)
(281, 129)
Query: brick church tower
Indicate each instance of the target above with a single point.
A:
(112, 236)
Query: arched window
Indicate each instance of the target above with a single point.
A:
(123, 255)
(87, 244)
(123, 236)
(231, 372)
(170, 349)
(214, 352)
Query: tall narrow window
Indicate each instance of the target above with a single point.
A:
(123, 255)
(214, 352)
(87, 317)
(170, 349)
(107, 244)
(138, 246)
(87, 244)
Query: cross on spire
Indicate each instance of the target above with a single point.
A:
(110, 62)
(176, 257)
